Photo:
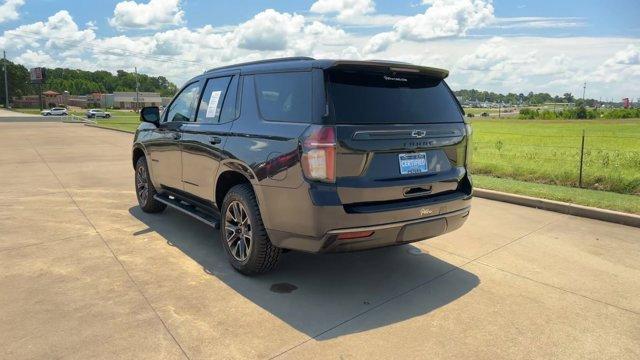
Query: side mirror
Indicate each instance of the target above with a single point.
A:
(150, 114)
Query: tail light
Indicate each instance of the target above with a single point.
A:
(319, 153)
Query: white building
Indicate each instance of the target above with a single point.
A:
(128, 100)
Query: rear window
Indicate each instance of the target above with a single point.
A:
(370, 97)
(284, 96)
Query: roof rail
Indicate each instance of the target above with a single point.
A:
(267, 61)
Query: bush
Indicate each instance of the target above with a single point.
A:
(528, 114)
(621, 113)
(470, 115)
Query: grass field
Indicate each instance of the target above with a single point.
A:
(548, 152)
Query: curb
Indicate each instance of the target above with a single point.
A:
(561, 207)
(106, 128)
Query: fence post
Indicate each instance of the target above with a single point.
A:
(581, 159)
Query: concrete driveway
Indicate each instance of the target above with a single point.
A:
(85, 274)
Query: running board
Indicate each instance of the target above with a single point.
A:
(190, 210)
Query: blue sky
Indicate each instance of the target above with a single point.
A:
(601, 18)
(496, 45)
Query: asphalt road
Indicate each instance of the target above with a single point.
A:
(85, 274)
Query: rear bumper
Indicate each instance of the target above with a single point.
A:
(396, 233)
(316, 228)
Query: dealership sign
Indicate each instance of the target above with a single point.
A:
(37, 75)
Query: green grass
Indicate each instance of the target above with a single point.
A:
(27, 111)
(120, 119)
(594, 198)
(548, 152)
(126, 126)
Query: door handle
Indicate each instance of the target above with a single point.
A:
(215, 140)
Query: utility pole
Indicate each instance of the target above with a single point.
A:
(584, 89)
(135, 69)
(6, 82)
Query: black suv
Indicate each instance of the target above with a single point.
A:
(310, 155)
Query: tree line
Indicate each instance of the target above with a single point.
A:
(531, 98)
(81, 82)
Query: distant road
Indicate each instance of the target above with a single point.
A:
(14, 116)
(6, 113)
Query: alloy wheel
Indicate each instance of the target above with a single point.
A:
(141, 184)
(238, 231)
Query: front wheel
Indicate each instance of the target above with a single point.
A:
(107, 116)
(243, 234)
(145, 191)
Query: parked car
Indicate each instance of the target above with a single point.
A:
(96, 113)
(311, 155)
(56, 111)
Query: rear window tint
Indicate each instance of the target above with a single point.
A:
(212, 99)
(284, 96)
(369, 97)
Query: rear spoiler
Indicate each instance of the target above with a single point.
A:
(440, 74)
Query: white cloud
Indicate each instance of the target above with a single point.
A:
(443, 18)
(446, 18)
(155, 14)
(354, 13)
(9, 10)
(269, 30)
(59, 33)
(325, 33)
(495, 61)
(535, 22)
(343, 8)
(380, 42)
(628, 56)
(32, 58)
(622, 65)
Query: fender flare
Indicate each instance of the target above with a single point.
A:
(245, 170)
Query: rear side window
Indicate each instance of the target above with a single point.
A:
(212, 100)
(284, 96)
(231, 105)
(370, 97)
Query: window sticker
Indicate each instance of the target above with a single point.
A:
(212, 109)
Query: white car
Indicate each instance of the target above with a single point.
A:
(56, 111)
(96, 113)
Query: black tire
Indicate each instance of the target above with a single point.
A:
(146, 201)
(107, 116)
(262, 255)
